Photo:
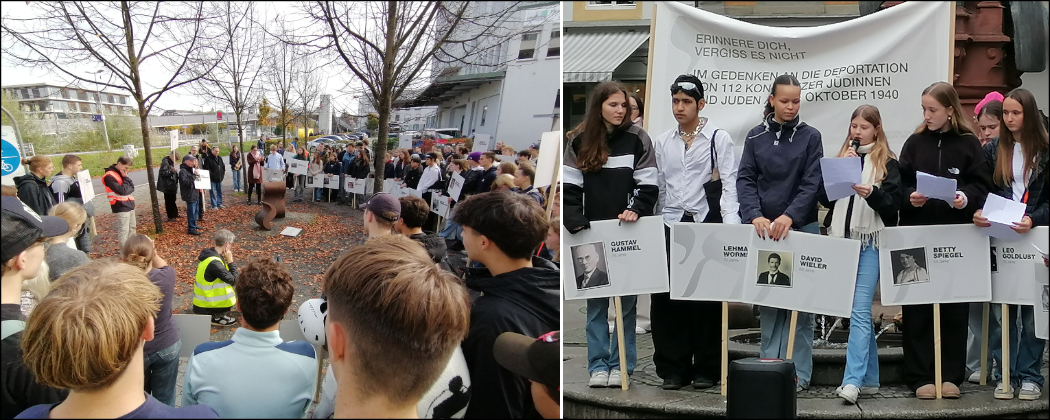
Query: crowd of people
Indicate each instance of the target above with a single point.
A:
(97, 338)
(690, 174)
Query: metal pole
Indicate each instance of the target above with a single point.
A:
(98, 94)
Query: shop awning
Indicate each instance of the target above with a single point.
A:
(592, 57)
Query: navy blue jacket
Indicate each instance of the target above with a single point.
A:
(1038, 205)
(780, 176)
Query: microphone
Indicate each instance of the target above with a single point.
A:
(855, 144)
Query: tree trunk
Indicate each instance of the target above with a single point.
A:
(154, 205)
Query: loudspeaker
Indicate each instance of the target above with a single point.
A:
(761, 389)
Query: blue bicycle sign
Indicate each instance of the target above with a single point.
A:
(11, 158)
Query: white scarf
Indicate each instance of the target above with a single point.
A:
(865, 223)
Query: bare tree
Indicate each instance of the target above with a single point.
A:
(307, 92)
(389, 44)
(129, 39)
(283, 75)
(235, 81)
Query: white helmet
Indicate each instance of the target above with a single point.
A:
(312, 315)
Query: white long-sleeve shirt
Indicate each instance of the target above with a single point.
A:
(430, 176)
(682, 174)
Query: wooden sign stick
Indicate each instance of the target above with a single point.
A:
(725, 346)
(624, 383)
(1006, 323)
(791, 334)
(937, 348)
(984, 345)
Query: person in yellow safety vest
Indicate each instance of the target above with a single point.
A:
(121, 194)
(213, 289)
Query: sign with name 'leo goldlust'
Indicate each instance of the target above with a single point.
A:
(708, 261)
(1016, 265)
(615, 259)
(802, 272)
(934, 264)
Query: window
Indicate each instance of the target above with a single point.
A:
(111, 99)
(527, 49)
(610, 4)
(397, 117)
(71, 106)
(25, 93)
(554, 45)
(123, 100)
(65, 93)
(36, 92)
(84, 108)
(484, 113)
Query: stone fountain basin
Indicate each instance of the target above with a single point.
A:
(829, 364)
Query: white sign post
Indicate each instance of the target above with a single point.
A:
(273, 175)
(298, 166)
(202, 180)
(455, 186)
(481, 143)
(404, 141)
(316, 181)
(87, 189)
(1015, 265)
(355, 186)
(708, 261)
(439, 205)
(391, 186)
(616, 259)
(546, 163)
(173, 136)
(934, 264)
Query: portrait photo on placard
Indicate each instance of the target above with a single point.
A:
(589, 260)
(774, 268)
(909, 266)
(1046, 298)
(995, 266)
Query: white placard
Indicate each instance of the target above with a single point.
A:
(439, 205)
(708, 261)
(391, 186)
(173, 137)
(87, 189)
(403, 192)
(370, 185)
(404, 141)
(331, 182)
(545, 163)
(1015, 265)
(1042, 305)
(297, 166)
(623, 259)
(316, 181)
(202, 180)
(481, 143)
(273, 175)
(803, 272)
(455, 186)
(355, 186)
(840, 66)
(934, 264)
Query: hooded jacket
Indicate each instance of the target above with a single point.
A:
(779, 172)
(216, 270)
(1038, 186)
(34, 192)
(412, 176)
(627, 181)
(186, 178)
(216, 166)
(123, 187)
(168, 178)
(948, 155)
(67, 188)
(471, 180)
(524, 301)
(484, 182)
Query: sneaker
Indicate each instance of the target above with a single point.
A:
(848, 392)
(615, 378)
(869, 390)
(799, 388)
(224, 321)
(1029, 391)
(975, 378)
(1001, 393)
(599, 379)
(194, 233)
(926, 392)
(639, 330)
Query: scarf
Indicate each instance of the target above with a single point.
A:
(864, 222)
(257, 168)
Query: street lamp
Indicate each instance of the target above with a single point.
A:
(101, 112)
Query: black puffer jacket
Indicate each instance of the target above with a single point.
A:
(33, 191)
(1038, 186)
(434, 244)
(947, 155)
(168, 178)
(525, 301)
(186, 178)
(216, 165)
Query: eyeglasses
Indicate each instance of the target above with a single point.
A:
(675, 87)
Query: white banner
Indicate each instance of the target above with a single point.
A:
(545, 163)
(87, 189)
(455, 186)
(202, 180)
(1015, 265)
(934, 264)
(439, 205)
(316, 181)
(173, 138)
(481, 143)
(884, 59)
(297, 166)
(615, 259)
(355, 186)
(708, 261)
(803, 272)
(331, 182)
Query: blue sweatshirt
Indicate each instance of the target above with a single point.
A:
(780, 174)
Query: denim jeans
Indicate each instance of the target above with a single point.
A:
(775, 324)
(300, 186)
(603, 353)
(192, 213)
(317, 193)
(1026, 351)
(162, 369)
(236, 180)
(973, 340)
(215, 193)
(452, 229)
(862, 355)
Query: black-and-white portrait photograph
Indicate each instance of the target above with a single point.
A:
(774, 268)
(995, 266)
(589, 263)
(1046, 298)
(909, 266)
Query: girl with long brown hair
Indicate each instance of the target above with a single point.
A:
(610, 173)
(1019, 159)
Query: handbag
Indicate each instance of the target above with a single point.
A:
(713, 188)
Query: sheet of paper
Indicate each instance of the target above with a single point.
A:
(1001, 230)
(1002, 214)
(840, 174)
(291, 231)
(933, 186)
(1041, 250)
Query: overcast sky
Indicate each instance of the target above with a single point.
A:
(332, 77)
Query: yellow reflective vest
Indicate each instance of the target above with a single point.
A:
(212, 294)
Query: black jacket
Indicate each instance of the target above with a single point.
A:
(20, 387)
(615, 187)
(946, 155)
(399, 170)
(471, 180)
(168, 178)
(1038, 186)
(434, 244)
(359, 169)
(186, 178)
(34, 192)
(334, 168)
(412, 176)
(124, 187)
(525, 301)
(388, 170)
(885, 200)
(484, 183)
(215, 164)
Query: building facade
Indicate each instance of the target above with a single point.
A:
(64, 109)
